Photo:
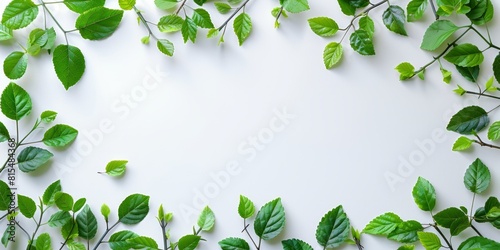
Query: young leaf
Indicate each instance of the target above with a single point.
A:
(394, 19)
(189, 242)
(332, 54)
(246, 208)
(416, 9)
(469, 73)
(270, 220)
(26, 205)
(98, 23)
(126, 4)
(15, 65)
(50, 192)
(119, 240)
(80, 6)
(367, 24)
(15, 102)
(477, 177)
(202, 18)
(165, 46)
(4, 133)
(170, 23)
(446, 75)
(133, 209)
(31, 158)
(19, 14)
(38, 37)
(469, 120)
(143, 242)
(448, 216)
(145, 39)
(489, 85)
(69, 64)
(333, 229)
(465, 55)
(437, 33)
(223, 8)
(494, 131)
(75, 245)
(206, 221)
(347, 8)
(383, 224)
(48, 116)
(105, 211)
(462, 143)
(59, 135)
(447, 7)
(5, 33)
(63, 201)
(361, 41)
(242, 27)
(87, 223)
(406, 71)
(189, 30)
(295, 244)
(477, 242)
(165, 4)
(234, 244)
(406, 232)
(43, 242)
(323, 26)
(59, 219)
(295, 6)
(459, 90)
(430, 241)
(116, 168)
(424, 194)
(496, 67)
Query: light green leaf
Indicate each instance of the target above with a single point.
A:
(202, 18)
(63, 201)
(59, 135)
(242, 27)
(15, 102)
(477, 177)
(347, 8)
(133, 209)
(406, 71)
(459, 90)
(43, 242)
(332, 54)
(430, 241)
(19, 14)
(469, 120)
(446, 75)
(69, 64)
(31, 158)
(26, 205)
(361, 41)
(469, 73)
(223, 8)
(116, 168)
(212, 33)
(170, 23)
(5, 33)
(477, 242)
(437, 33)
(424, 194)
(119, 240)
(383, 224)
(143, 242)
(4, 133)
(246, 208)
(126, 4)
(234, 2)
(98, 23)
(270, 220)
(165, 46)
(87, 223)
(367, 24)
(59, 219)
(447, 7)
(234, 244)
(80, 6)
(394, 19)
(15, 65)
(407, 247)
(494, 131)
(189, 242)
(416, 9)
(462, 143)
(295, 6)
(79, 204)
(406, 232)
(75, 245)
(48, 116)
(295, 244)
(165, 4)
(105, 211)
(333, 229)
(206, 220)
(145, 40)
(323, 26)
(189, 30)
(465, 55)
(50, 192)
(489, 85)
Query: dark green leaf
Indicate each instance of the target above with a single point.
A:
(406, 232)
(246, 208)
(323, 26)
(26, 205)
(15, 102)
(496, 67)
(358, 3)
(80, 6)
(295, 244)
(346, 7)
(59, 219)
(477, 177)
(189, 242)
(202, 18)
(424, 194)
(333, 229)
(332, 54)
(31, 158)
(487, 16)
(78, 204)
(367, 24)
(448, 216)
(98, 23)
(59, 135)
(50, 192)
(478, 8)
(394, 19)
(119, 240)
(469, 73)
(133, 209)
(465, 55)
(469, 120)
(69, 64)
(165, 46)
(477, 242)
(416, 9)
(383, 224)
(200, 2)
(242, 27)
(143, 242)
(234, 244)
(189, 30)
(5, 196)
(4, 133)
(459, 226)
(15, 65)
(270, 220)
(19, 14)
(361, 41)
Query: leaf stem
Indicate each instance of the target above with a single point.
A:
(487, 41)
(108, 229)
(233, 14)
(442, 236)
(363, 13)
(55, 20)
(433, 7)
(143, 20)
(163, 226)
(484, 144)
(245, 229)
(475, 230)
(38, 225)
(482, 94)
(19, 143)
(69, 234)
(180, 7)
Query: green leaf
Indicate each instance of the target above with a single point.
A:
(477, 242)
(116, 168)
(424, 194)
(50, 192)
(447, 7)
(206, 221)
(459, 226)
(465, 55)
(80, 6)
(165, 4)
(477, 177)
(295, 6)
(145, 39)
(448, 216)
(383, 224)
(143, 242)
(406, 71)
(446, 75)
(459, 90)
(26, 205)
(333, 229)
(478, 8)
(494, 131)
(15, 65)
(361, 41)
(437, 33)
(367, 24)
(43, 242)
(133, 209)
(489, 85)
(5, 237)
(462, 143)
(242, 27)
(15, 102)
(5, 33)
(19, 14)
(31, 158)
(119, 240)
(63, 201)
(234, 2)
(69, 64)
(222, 8)
(98, 23)
(189, 30)
(87, 223)
(200, 2)
(170, 23)
(4, 133)
(234, 244)
(496, 67)
(40, 38)
(105, 211)
(295, 244)
(75, 245)
(79, 204)
(126, 4)
(246, 208)
(394, 19)
(406, 247)
(48, 116)
(469, 120)
(59, 135)
(212, 33)
(346, 7)
(202, 18)
(189, 242)
(332, 54)
(486, 17)
(5, 195)
(358, 3)
(59, 219)
(406, 232)
(430, 241)
(165, 46)
(416, 9)
(469, 73)
(323, 26)
(270, 220)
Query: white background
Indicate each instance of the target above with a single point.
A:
(353, 125)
